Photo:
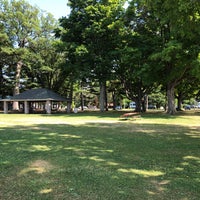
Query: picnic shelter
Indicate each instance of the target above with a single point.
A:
(35, 99)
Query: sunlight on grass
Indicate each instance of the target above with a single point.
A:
(38, 170)
(97, 159)
(192, 158)
(185, 163)
(5, 143)
(38, 166)
(52, 134)
(73, 149)
(186, 120)
(112, 163)
(43, 138)
(144, 173)
(106, 150)
(45, 191)
(179, 168)
(39, 148)
(69, 136)
(98, 156)
(193, 134)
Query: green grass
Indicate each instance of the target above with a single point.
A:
(90, 156)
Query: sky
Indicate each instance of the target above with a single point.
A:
(56, 7)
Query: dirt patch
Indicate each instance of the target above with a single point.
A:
(38, 166)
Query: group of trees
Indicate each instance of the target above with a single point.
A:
(127, 50)
(29, 53)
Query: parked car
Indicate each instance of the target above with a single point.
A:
(187, 107)
(132, 105)
(193, 106)
(151, 107)
(118, 108)
(84, 108)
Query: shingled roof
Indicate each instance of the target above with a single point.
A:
(40, 94)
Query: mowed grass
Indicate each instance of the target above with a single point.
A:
(98, 156)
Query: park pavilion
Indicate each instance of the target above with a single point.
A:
(35, 100)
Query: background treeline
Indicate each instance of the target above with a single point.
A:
(105, 49)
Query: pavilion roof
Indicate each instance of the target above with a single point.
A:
(40, 94)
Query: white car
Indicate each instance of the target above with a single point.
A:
(132, 105)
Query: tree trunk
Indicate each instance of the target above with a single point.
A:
(146, 102)
(17, 84)
(138, 104)
(106, 98)
(179, 98)
(82, 101)
(69, 104)
(144, 108)
(139, 98)
(170, 99)
(102, 95)
(114, 100)
(1, 83)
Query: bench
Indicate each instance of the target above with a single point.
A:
(131, 115)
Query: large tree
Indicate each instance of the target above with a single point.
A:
(36, 61)
(169, 30)
(21, 23)
(178, 30)
(6, 52)
(138, 42)
(90, 33)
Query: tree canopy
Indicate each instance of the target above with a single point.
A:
(146, 45)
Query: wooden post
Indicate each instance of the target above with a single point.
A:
(5, 105)
(48, 106)
(26, 107)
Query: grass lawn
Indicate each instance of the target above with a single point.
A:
(97, 156)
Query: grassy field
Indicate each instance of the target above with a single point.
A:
(98, 156)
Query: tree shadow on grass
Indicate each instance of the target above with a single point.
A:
(100, 161)
(117, 115)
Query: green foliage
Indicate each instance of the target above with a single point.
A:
(25, 24)
(150, 43)
(31, 39)
(172, 27)
(90, 37)
(157, 98)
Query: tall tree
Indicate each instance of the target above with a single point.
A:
(172, 29)
(178, 30)
(30, 31)
(6, 52)
(21, 23)
(136, 46)
(90, 32)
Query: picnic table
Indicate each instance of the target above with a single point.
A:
(130, 115)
